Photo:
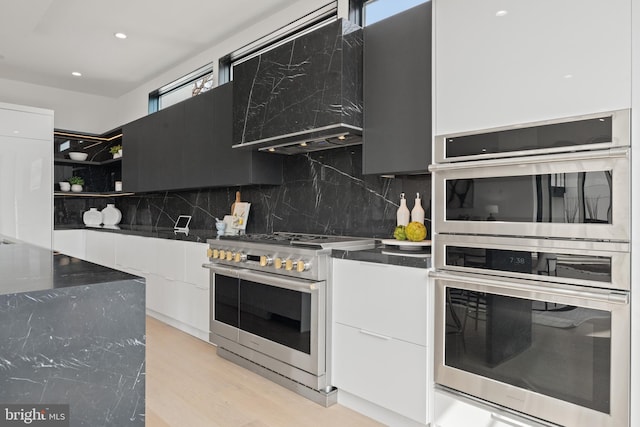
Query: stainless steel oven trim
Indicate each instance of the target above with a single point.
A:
(621, 125)
(537, 405)
(618, 252)
(315, 362)
(616, 160)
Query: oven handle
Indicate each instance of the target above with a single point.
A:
(606, 296)
(299, 285)
(544, 158)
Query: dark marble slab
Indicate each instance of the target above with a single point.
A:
(382, 255)
(322, 193)
(72, 332)
(311, 82)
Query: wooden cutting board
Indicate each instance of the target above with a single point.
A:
(238, 200)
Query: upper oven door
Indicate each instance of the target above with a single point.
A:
(583, 195)
(587, 132)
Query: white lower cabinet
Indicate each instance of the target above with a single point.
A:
(177, 286)
(457, 411)
(70, 242)
(383, 370)
(379, 337)
(100, 248)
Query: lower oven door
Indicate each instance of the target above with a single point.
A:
(283, 318)
(559, 353)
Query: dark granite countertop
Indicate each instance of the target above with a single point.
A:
(384, 255)
(195, 235)
(28, 268)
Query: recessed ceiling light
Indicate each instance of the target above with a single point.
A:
(120, 35)
(77, 74)
(568, 76)
(501, 13)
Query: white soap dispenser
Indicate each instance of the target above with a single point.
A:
(403, 211)
(417, 213)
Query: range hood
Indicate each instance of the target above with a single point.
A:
(301, 96)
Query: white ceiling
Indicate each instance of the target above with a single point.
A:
(43, 41)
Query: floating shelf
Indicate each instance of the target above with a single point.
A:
(91, 194)
(60, 161)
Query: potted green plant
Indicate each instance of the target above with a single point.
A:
(116, 150)
(76, 183)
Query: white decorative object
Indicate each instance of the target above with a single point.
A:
(74, 155)
(240, 215)
(65, 186)
(118, 186)
(221, 226)
(111, 215)
(403, 212)
(92, 217)
(417, 213)
(76, 188)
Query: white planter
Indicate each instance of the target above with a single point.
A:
(76, 188)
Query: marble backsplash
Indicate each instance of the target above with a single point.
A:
(323, 193)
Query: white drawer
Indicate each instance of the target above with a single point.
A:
(385, 371)
(389, 300)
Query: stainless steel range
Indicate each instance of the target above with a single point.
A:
(269, 310)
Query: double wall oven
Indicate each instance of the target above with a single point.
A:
(532, 268)
(269, 310)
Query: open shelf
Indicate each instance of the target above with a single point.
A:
(60, 161)
(92, 194)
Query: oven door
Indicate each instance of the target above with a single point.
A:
(557, 353)
(577, 262)
(281, 317)
(582, 195)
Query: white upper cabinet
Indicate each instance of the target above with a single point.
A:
(501, 62)
(26, 174)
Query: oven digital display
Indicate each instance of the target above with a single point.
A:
(586, 267)
(255, 258)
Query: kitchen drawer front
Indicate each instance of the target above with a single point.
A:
(170, 259)
(388, 372)
(101, 248)
(196, 255)
(385, 299)
(135, 253)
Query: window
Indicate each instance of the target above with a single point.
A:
(192, 84)
(377, 10)
(309, 22)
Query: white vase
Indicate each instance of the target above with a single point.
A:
(76, 188)
(64, 186)
(111, 215)
(92, 217)
(417, 213)
(403, 213)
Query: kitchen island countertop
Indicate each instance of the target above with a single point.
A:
(72, 333)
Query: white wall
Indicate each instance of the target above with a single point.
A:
(73, 110)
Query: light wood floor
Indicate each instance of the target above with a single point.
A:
(187, 384)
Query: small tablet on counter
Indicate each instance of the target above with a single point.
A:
(182, 224)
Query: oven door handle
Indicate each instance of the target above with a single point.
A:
(299, 285)
(600, 295)
(219, 269)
